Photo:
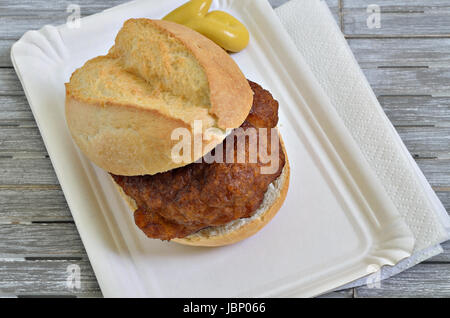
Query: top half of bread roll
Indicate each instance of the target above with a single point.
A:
(121, 108)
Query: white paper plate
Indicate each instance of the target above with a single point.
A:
(336, 225)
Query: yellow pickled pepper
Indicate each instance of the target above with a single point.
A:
(220, 27)
(189, 10)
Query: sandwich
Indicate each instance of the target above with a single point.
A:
(161, 81)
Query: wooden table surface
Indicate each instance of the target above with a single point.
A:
(407, 62)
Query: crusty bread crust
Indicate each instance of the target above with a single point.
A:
(118, 116)
(230, 94)
(241, 229)
(126, 141)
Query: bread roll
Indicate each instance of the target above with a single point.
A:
(122, 108)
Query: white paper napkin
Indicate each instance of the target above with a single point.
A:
(320, 41)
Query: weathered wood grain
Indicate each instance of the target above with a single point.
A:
(17, 18)
(401, 110)
(5, 49)
(443, 257)
(423, 280)
(26, 170)
(20, 139)
(410, 81)
(397, 5)
(389, 81)
(444, 196)
(24, 167)
(49, 277)
(401, 18)
(33, 205)
(35, 7)
(22, 147)
(45, 277)
(436, 171)
(21, 16)
(426, 141)
(36, 14)
(277, 3)
(40, 240)
(15, 110)
(347, 293)
(386, 81)
(417, 110)
(372, 53)
(422, 141)
(9, 83)
(14, 26)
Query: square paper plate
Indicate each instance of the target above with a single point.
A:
(336, 225)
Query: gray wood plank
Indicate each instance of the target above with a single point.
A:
(422, 141)
(18, 139)
(24, 153)
(372, 53)
(423, 280)
(443, 257)
(417, 110)
(444, 196)
(277, 3)
(15, 110)
(35, 7)
(23, 161)
(410, 81)
(397, 5)
(5, 50)
(401, 110)
(391, 81)
(9, 83)
(33, 205)
(347, 293)
(401, 18)
(436, 171)
(409, 24)
(17, 28)
(426, 141)
(40, 240)
(45, 277)
(15, 25)
(49, 277)
(26, 170)
(19, 17)
(88, 6)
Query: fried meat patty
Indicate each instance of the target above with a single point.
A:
(182, 201)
